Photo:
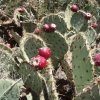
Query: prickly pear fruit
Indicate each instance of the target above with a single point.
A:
(94, 25)
(74, 8)
(45, 52)
(46, 27)
(97, 59)
(52, 27)
(21, 9)
(8, 45)
(39, 62)
(88, 16)
(37, 31)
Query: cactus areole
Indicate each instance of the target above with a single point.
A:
(97, 59)
(39, 62)
(45, 52)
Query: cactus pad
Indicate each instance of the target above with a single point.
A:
(92, 93)
(81, 62)
(91, 36)
(68, 15)
(29, 46)
(50, 81)
(30, 77)
(7, 63)
(9, 90)
(56, 19)
(29, 26)
(78, 21)
(56, 42)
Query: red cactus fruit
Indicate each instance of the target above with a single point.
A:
(97, 59)
(37, 31)
(74, 8)
(39, 62)
(8, 45)
(88, 16)
(94, 25)
(21, 9)
(45, 52)
(46, 27)
(52, 27)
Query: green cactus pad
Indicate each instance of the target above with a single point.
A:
(57, 44)
(81, 62)
(25, 19)
(29, 27)
(50, 81)
(91, 36)
(30, 77)
(85, 27)
(56, 19)
(7, 63)
(9, 90)
(97, 13)
(78, 21)
(29, 46)
(68, 16)
(92, 93)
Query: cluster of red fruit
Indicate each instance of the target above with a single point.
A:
(47, 28)
(40, 61)
(75, 8)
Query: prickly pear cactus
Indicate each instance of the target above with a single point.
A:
(29, 27)
(91, 36)
(30, 77)
(50, 81)
(9, 89)
(7, 63)
(81, 62)
(25, 19)
(89, 93)
(29, 46)
(78, 21)
(68, 16)
(57, 44)
(56, 19)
